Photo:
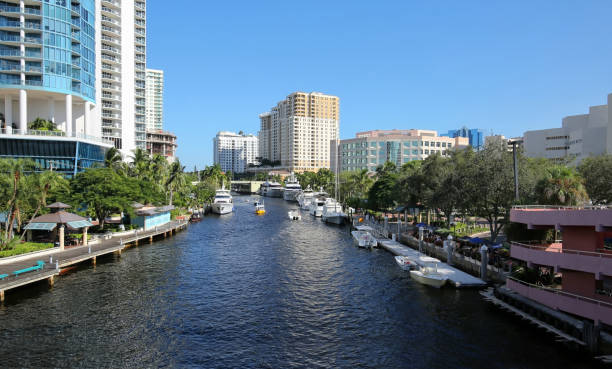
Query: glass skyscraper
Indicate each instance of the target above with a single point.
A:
(475, 136)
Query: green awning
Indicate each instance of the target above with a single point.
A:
(79, 224)
(41, 226)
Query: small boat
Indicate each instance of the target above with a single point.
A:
(428, 273)
(195, 217)
(332, 212)
(294, 215)
(260, 209)
(405, 263)
(364, 239)
(292, 189)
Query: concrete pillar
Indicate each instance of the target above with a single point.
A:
(85, 236)
(8, 113)
(1, 296)
(150, 239)
(52, 110)
(449, 247)
(23, 111)
(61, 237)
(51, 281)
(87, 124)
(68, 115)
(421, 236)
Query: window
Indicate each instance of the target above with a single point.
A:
(381, 144)
(426, 143)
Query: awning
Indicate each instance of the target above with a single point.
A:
(79, 224)
(41, 226)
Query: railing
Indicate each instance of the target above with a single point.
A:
(10, 52)
(31, 132)
(13, 24)
(10, 9)
(31, 11)
(563, 250)
(556, 207)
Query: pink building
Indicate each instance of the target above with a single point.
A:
(581, 258)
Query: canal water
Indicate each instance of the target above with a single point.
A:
(263, 292)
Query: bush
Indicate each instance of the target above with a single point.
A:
(24, 248)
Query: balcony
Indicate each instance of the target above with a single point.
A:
(10, 9)
(58, 134)
(584, 216)
(556, 299)
(556, 256)
(6, 24)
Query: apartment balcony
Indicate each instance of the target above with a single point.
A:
(10, 25)
(32, 13)
(10, 10)
(76, 10)
(112, 40)
(11, 68)
(76, 23)
(108, 21)
(111, 58)
(111, 30)
(110, 78)
(32, 26)
(570, 303)
(112, 3)
(112, 50)
(32, 41)
(111, 12)
(33, 69)
(559, 216)
(556, 256)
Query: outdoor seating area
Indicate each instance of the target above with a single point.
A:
(58, 227)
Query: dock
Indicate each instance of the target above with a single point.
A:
(455, 276)
(60, 260)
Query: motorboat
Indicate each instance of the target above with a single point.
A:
(195, 217)
(406, 263)
(292, 188)
(271, 189)
(260, 208)
(428, 274)
(364, 239)
(304, 198)
(223, 202)
(316, 205)
(332, 212)
(294, 214)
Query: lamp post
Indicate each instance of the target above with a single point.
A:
(515, 142)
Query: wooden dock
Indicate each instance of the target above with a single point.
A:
(454, 275)
(60, 260)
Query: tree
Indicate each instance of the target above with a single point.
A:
(561, 186)
(597, 174)
(104, 192)
(40, 124)
(176, 178)
(140, 166)
(15, 194)
(113, 159)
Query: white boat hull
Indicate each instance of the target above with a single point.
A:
(364, 239)
(290, 195)
(335, 219)
(274, 192)
(405, 263)
(430, 279)
(294, 215)
(221, 209)
(317, 212)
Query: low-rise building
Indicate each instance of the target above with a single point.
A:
(162, 143)
(148, 216)
(234, 152)
(580, 136)
(373, 148)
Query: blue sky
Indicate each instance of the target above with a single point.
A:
(505, 67)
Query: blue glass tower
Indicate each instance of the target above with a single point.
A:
(474, 135)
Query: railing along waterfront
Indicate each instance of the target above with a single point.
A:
(556, 207)
(562, 250)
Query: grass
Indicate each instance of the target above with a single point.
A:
(24, 248)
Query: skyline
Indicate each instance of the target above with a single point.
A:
(508, 74)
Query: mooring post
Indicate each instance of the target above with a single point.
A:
(421, 231)
(150, 239)
(51, 281)
(484, 261)
(448, 246)
(1, 296)
(93, 260)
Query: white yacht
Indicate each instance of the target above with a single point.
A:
(223, 202)
(332, 212)
(292, 188)
(428, 273)
(317, 204)
(271, 189)
(363, 237)
(304, 198)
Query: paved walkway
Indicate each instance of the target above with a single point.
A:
(74, 255)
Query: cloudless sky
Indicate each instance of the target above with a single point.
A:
(503, 66)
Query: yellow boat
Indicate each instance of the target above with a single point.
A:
(260, 209)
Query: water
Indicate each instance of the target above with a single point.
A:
(261, 291)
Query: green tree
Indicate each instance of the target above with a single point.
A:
(40, 124)
(562, 186)
(15, 194)
(597, 174)
(176, 179)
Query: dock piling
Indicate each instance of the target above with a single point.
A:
(1, 296)
(51, 281)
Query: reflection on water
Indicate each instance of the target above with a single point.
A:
(261, 291)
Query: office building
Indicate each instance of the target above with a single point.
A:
(297, 132)
(234, 152)
(48, 60)
(580, 136)
(475, 136)
(373, 148)
(162, 143)
(121, 72)
(154, 99)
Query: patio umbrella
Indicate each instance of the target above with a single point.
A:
(476, 240)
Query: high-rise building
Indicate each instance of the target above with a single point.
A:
(234, 152)
(373, 148)
(48, 62)
(154, 99)
(162, 143)
(476, 136)
(580, 136)
(297, 132)
(121, 72)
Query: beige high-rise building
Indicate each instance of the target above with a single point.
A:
(297, 132)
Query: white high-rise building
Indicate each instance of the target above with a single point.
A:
(234, 152)
(155, 99)
(121, 72)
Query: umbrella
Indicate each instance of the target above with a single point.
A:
(476, 240)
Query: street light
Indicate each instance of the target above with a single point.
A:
(515, 142)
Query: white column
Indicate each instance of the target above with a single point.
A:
(8, 113)
(87, 124)
(68, 115)
(23, 111)
(52, 110)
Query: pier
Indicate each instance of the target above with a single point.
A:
(58, 261)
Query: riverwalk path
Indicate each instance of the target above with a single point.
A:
(56, 261)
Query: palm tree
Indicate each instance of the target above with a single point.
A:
(176, 178)
(114, 160)
(16, 170)
(561, 186)
(40, 184)
(140, 167)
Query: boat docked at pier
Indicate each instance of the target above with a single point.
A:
(363, 237)
(332, 212)
(428, 273)
(317, 204)
(304, 198)
(292, 188)
(406, 263)
(271, 189)
(294, 214)
(223, 202)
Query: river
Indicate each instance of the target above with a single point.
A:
(262, 291)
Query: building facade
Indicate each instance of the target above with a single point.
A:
(121, 72)
(154, 99)
(474, 135)
(297, 132)
(162, 143)
(580, 136)
(234, 152)
(373, 148)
